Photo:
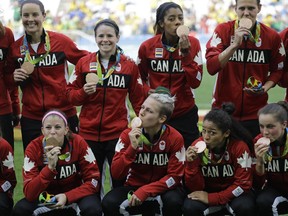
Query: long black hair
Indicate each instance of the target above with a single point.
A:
(224, 121)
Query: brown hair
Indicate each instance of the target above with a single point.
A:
(37, 2)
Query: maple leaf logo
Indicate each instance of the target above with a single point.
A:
(90, 156)
(9, 162)
(28, 165)
(245, 161)
(119, 146)
(215, 40)
(72, 77)
(139, 80)
(198, 58)
(138, 61)
(282, 49)
(181, 155)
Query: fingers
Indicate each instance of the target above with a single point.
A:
(135, 201)
(20, 75)
(89, 88)
(191, 153)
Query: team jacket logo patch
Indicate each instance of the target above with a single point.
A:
(158, 52)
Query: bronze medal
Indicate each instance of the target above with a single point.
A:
(136, 122)
(51, 141)
(92, 78)
(264, 141)
(201, 146)
(28, 67)
(245, 22)
(182, 30)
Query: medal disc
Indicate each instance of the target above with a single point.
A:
(245, 22)
(28, 67)
(264, 141)
(182, 30)
(51, 141)
(136, 122)
(92, 78)
(201, 146)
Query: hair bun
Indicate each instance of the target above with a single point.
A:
(228, 107)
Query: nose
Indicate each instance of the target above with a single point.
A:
(265, 131)
(205, 136)
(246, 12)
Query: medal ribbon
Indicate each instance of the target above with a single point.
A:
(251, 37)
(170, 48)
(145, 140)
(269, 155)
(27, 53)
(62, 156)
(111, 69)
(206, 157)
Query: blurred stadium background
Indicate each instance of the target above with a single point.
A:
(77, 18)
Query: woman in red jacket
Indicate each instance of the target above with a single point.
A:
(271, 169)
(7, 177)
(62, 164)
(39, 63)
(151, 158)
(9, 101)
(173, 60)
(221, 175)
(104, 112)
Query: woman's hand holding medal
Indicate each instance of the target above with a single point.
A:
(21, 74)
(91, 82)
(53, 150)
(136, 132)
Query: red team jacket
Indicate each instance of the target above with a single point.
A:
(224, 180)
(159, 67)
(46, 86)
(264, 61)
(104, 114)
(77, 176)
(7, 172)
(276, 170)
(284, 80)
(9, 101)
(154, 169)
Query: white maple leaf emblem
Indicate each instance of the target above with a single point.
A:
(198, 58)
(28, 165)
(282, 49)
(90, 156)
(139, 80)
(119, 145)
(72, 77)
(181, 155)
(245, 161)
(138, 60)
(215, 40)
(9, 162)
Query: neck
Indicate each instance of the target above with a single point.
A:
(152, 131)
(171, 40)
(221, 148)
(107, 55)
(35, 37)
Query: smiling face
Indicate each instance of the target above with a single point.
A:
(271, 128)
(32, 18)
(212, 135)
(106, 40)
(248, 9)
(172, 20)
(54, 126)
